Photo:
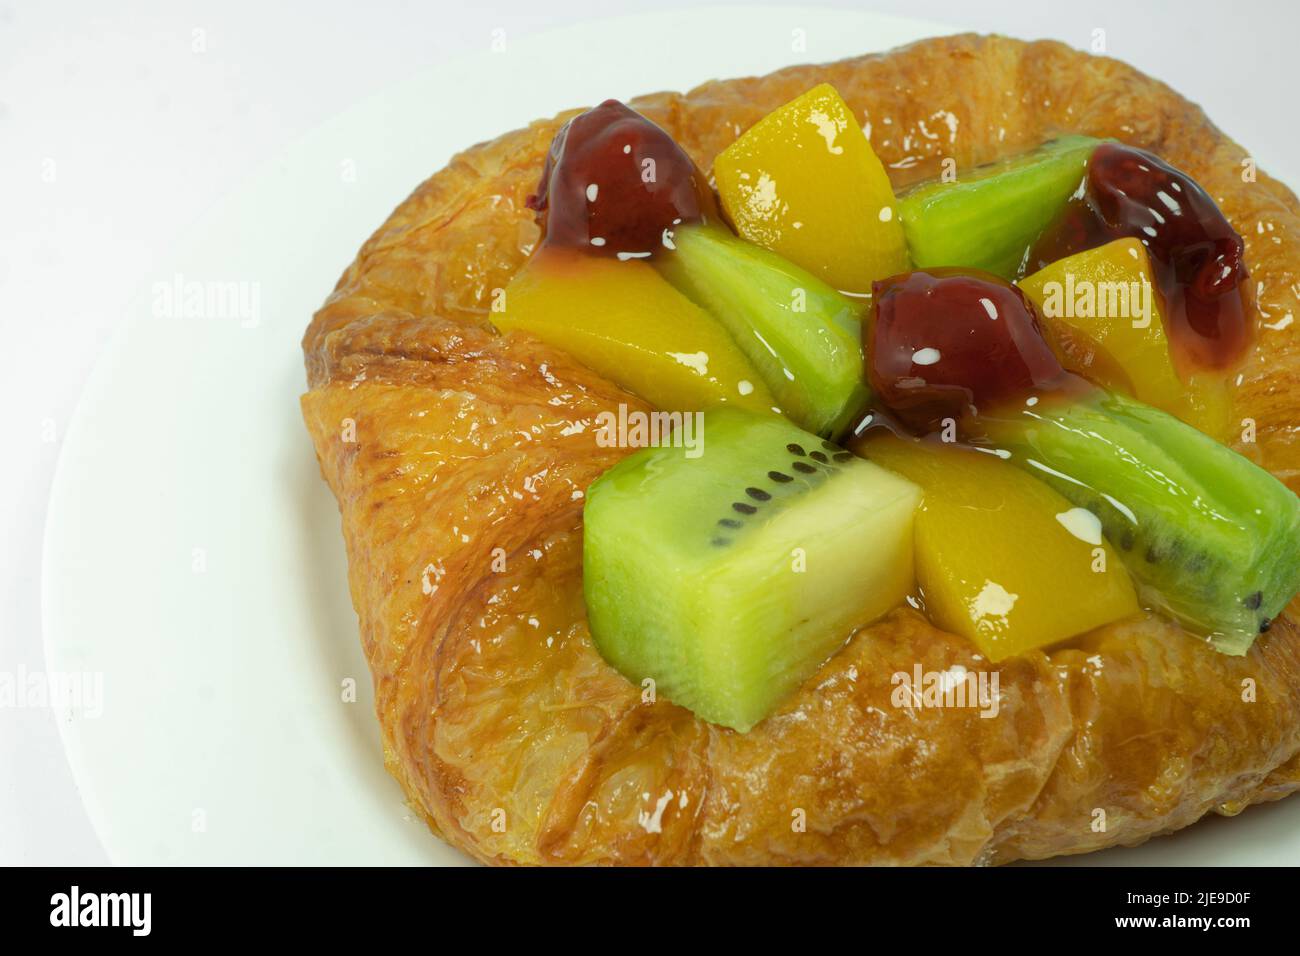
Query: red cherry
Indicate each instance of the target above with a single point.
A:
(944, 342)
(614, 182)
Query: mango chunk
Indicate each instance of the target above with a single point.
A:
(623, 320)
(1001, 558)
(1102, 312)
(805, 183)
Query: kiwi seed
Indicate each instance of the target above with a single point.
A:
(758, 494)
(842, 456)
(721, 542)
(779, 477)
(794, 449)
(1126, 542)
(743, 508)
(804, 467)
(818, 456)
(1264, 625)
(730, 523)
(1255, 600)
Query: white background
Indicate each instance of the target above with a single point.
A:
(118, 129)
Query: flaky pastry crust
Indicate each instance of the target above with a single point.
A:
(461, 498)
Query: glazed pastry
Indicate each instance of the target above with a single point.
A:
(457, 431)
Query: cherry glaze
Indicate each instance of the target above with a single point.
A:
(946, 342)
(614, 182)
(1196, 255)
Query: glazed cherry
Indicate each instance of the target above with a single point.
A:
(1196, 255)
(615, 183)
(946, 342)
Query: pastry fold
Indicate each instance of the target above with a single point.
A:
(459, 458)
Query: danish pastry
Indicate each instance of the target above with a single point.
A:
(463, 451)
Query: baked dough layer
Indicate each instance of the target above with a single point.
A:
(461, 497)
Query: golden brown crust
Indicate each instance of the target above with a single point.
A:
(461, 501)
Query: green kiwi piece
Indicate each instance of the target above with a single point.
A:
(801, 334)
(1211, 538)
(730, 577)
(989, 218)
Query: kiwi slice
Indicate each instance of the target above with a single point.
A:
(801, 335)
(1211, 538)
(991, 217)
(729, 578)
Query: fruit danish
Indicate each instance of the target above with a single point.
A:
(882, 462)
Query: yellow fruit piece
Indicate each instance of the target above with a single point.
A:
(1001, 558)
(805, 182)
(623, 320)
(1103, 315)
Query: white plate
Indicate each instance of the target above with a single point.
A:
(193, 555)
